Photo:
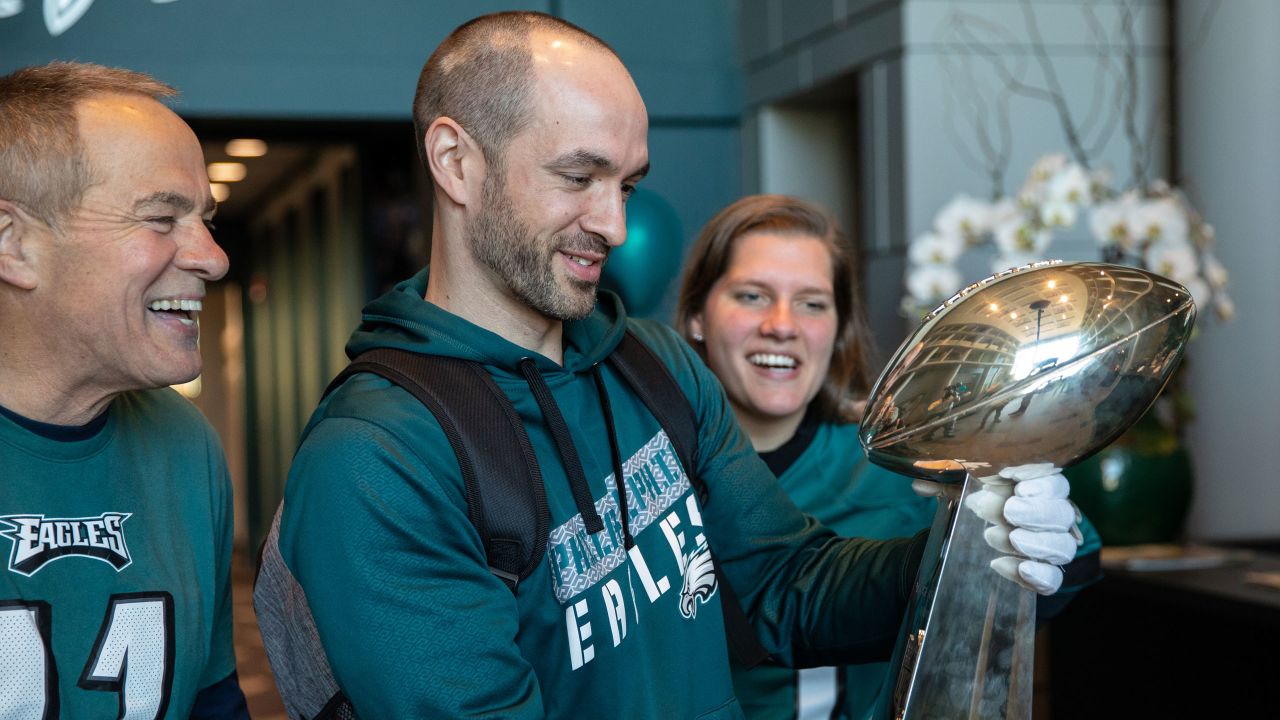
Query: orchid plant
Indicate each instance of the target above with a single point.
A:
(1154, 228)
(1151, 225)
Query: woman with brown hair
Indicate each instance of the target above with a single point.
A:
(768, 300)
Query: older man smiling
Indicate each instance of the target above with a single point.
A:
(113, 493)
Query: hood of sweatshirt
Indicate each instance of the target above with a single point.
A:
(536, 386)
(402, 319)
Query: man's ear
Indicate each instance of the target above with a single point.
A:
(455, 160)
(15, 254)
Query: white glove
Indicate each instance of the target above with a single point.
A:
(1032, 520)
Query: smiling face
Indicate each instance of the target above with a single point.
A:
(123, 278)
(556, 207)
(768, 327)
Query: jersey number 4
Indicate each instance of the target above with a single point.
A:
(132, 657)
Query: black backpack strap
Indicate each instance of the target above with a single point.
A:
(652, 381)
(509, 508)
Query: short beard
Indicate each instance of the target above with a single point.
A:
(505, 245)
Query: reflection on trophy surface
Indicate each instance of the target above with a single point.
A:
(1047, 363)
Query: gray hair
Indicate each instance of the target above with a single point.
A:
(42, 162)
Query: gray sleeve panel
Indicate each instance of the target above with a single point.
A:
(297, 658)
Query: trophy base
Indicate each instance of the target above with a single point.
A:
(966, 649)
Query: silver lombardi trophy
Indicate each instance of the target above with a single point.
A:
(1046, 363)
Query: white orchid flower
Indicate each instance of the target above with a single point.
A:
(1109, 223)
(1047, 166)
(964, 217)
(1174, 260)
(1108, 227)
(1031, 194)
(1071, 184)
(1018, 237)
(1005, 210)
(930, 284)
(1058, 213)
(1159, 220)
(1153, 227)
(1214, 272)
(935, 248)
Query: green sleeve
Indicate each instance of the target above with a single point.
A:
(1083, 570)
(411, 620)
(222, 659)
(1092, 542)
(814, 598)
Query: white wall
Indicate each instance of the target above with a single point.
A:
(910, 162)
(937, 169)
(810, 153)
(1230, 152)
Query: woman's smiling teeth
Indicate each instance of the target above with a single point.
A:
(771, 360)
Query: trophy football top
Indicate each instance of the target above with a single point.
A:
(1048, 362)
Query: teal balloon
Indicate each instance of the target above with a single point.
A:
(642, 268)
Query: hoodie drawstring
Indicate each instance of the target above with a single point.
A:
(569, 453)
(564, 443)
(616, 454)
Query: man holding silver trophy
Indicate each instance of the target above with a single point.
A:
(601, 620)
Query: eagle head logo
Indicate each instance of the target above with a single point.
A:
(699, 581)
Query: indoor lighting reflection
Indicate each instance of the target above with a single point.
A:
(1044, 355)
(220, 191)
(246, 148)
(227, 172)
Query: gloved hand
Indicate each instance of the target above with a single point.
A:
(1032, 520)
(929, 488)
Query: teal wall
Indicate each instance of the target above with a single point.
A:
(341, 61)
(344, 60)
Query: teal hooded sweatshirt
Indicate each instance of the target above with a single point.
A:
(374, 526)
